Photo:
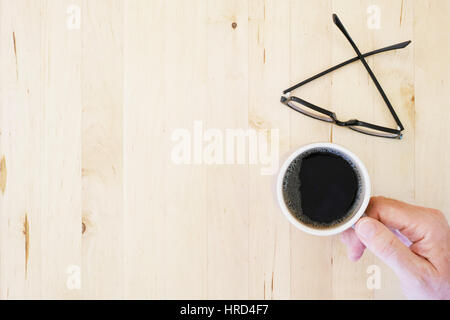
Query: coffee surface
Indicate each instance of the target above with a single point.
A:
(321, 188)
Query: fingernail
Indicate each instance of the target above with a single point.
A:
(367, 228)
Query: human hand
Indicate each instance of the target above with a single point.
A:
(424, 268)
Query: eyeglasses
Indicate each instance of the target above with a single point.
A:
(319, 113)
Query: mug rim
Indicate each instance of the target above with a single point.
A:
(341, 227)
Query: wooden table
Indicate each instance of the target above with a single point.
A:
(92, 205)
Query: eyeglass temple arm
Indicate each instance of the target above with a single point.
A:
(389, 48)
(341, 27)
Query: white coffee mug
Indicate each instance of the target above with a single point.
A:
(363, 199)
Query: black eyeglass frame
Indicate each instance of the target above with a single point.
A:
(330, 117)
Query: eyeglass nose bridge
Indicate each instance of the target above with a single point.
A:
(347, 123)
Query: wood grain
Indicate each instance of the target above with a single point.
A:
(102, 148)
(88, 185)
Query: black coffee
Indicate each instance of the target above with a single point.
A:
(322, 188)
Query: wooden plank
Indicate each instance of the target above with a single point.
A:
(186, 74)
(102, 145)
(60, 218)
(21, 131)
(43, 136)
(227, 201)
(144, 159)
(165, 201)
(431, 74)
(310, 53)
(269, 237)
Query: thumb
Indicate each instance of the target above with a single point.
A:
(386, 246)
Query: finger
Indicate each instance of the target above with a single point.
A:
(355, 248)
(385, 245)
(410, 220)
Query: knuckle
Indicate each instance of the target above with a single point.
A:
(436, 216)
(375, 201)
(377, 204)
(378, 199)
(387, 248)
